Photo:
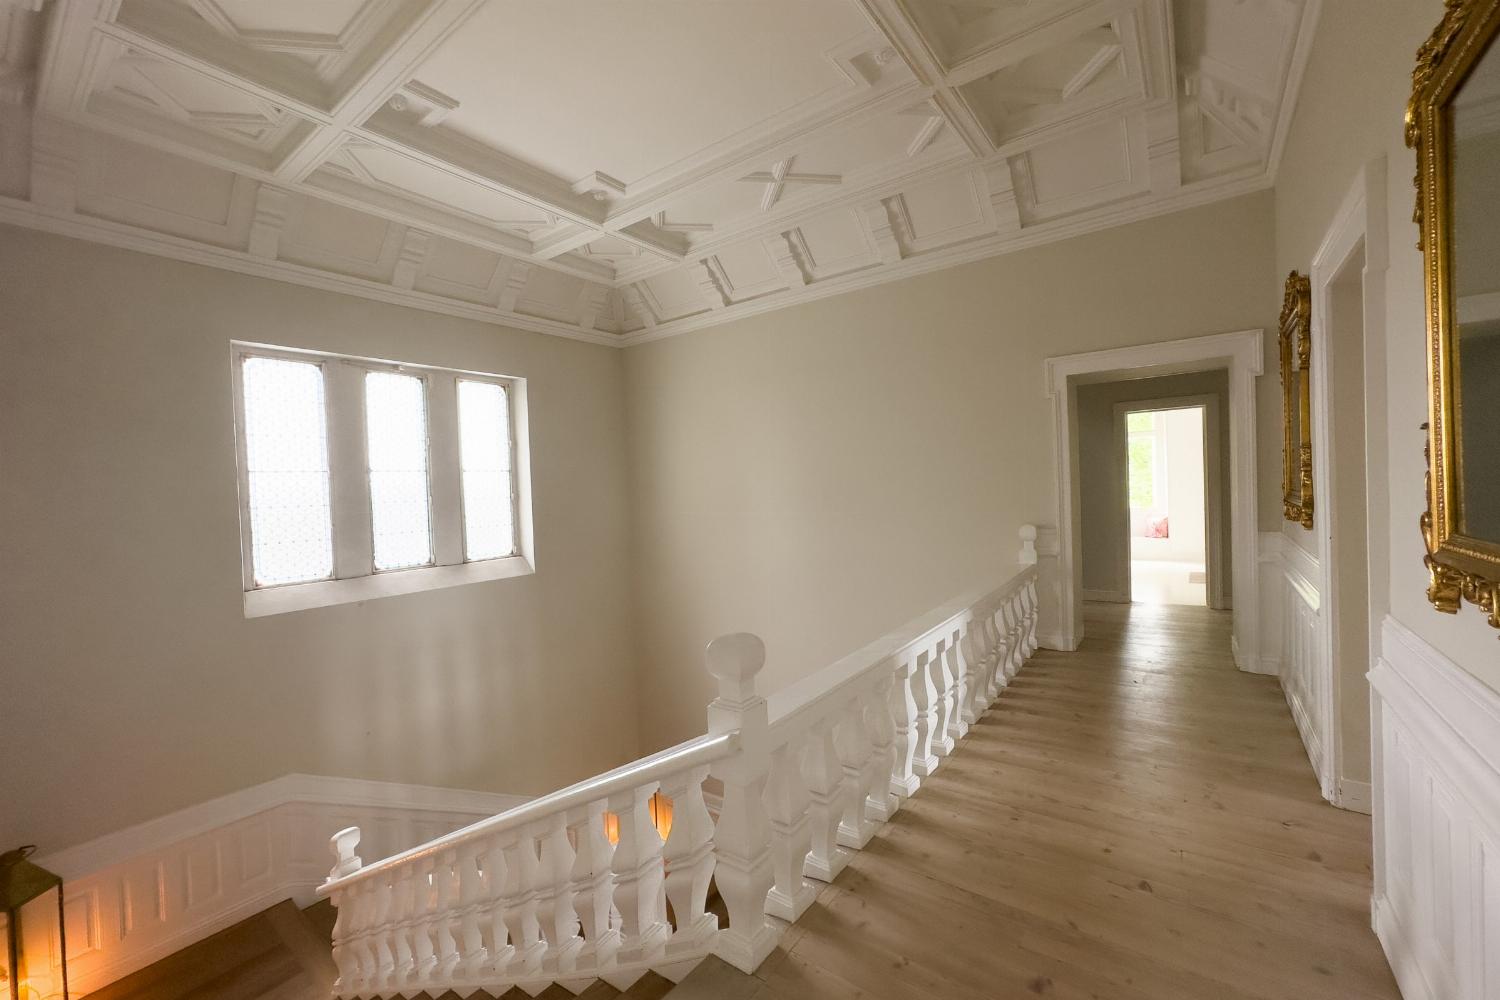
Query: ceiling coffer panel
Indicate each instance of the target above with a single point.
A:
(542, 164)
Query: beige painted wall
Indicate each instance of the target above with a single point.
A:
(1102, 480)
(1351, 107)
(820, 474)
(131, 683)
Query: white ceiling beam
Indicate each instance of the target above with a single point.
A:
(483, 166)
(1090, 70)
(386, 76)
(783, 143)
(142, 42)
(564, 241)
(892, 20)
(1088, 23)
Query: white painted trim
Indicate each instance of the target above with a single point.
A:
(326, 593)
(139, 894)
(1355, 796)
(1361, 222)
(19, 212)
(1035, 235)
(308, 789)
(1436, 799)
(1242, 354)
(22, 213)
(1105, 596)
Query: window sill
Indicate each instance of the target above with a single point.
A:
(326, 593)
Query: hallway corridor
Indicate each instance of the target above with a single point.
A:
(1136, 821)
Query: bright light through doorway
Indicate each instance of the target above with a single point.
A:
(1168, 511)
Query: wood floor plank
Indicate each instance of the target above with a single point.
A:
(1134, 820)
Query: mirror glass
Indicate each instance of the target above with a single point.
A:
(1476, 290)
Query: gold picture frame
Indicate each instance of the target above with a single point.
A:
(1296, 401)
(1460, 568)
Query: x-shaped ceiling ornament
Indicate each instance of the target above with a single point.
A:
(779, 176)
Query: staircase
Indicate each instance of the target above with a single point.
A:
(673, 875)
(282, 953)
(606, 884)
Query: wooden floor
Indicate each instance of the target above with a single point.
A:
(1134, 821)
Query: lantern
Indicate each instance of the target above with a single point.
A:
(32, 965)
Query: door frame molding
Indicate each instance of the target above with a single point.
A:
(1242, 353)
(1361, 223)
(1213, 485)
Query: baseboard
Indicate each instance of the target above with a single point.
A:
(1105, 596)
(1399, 952)
(1355, 796)
(1054, 640)
(1268, 664)
(138, 895)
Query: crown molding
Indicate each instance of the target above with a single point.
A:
(31, 216)
(16, 212)
(963, 253)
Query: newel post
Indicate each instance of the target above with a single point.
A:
(1027, 555)
(742, 838)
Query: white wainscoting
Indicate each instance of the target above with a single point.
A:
(135, 896)
(1436, 907)
(1293, 648)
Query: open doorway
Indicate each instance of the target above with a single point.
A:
(1166, 490)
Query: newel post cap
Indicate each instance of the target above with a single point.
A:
(1028, 545)
(342, 844)
(735, 660)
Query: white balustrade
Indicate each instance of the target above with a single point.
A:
(589, 883)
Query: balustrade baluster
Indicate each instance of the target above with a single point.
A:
(925, 760)
(942, 688)
(852, 740)
(403, 913)
(742, 838)
(826, 789)
(999, 649)
(593, 883)
(904, 780)
(637, 864)
(559, 917)
(424, 922)
(500, 950)
(689, 857)
(880, 804)
(974, 680)
(381, 945)
(349, 905)
(444, 913)
(1033, 609)
(523, 881)
(957, 698)
(1017, 636)
(471, 901)
(787, 803)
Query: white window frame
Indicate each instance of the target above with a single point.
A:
(354, 575)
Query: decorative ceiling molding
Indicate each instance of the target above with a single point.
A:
(360, 145)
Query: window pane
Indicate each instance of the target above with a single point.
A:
(484, 446)
(1142, 470)
(396, 436)
(286, 468)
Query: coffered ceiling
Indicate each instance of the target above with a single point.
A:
(622, 170)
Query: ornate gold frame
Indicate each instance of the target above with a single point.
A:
(1296, 391)
(1460, 568)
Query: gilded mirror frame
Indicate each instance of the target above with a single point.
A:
(1296, 398)
(1460, 568)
